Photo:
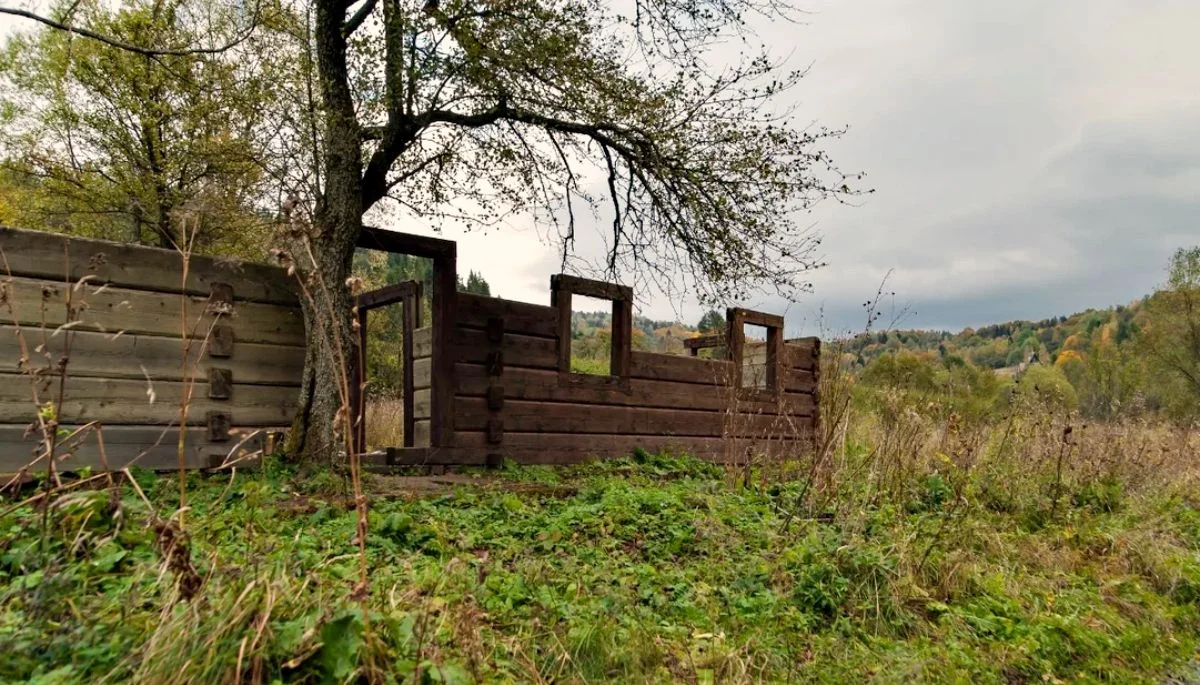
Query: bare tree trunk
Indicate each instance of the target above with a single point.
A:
(318, 433)
(324, 257)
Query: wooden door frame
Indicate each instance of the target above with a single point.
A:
(444, 254)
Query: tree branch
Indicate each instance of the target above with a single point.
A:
(129, 47)
(357, 19)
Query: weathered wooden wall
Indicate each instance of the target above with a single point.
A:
(512, 400)
(126, 323)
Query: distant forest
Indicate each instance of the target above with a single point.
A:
(1009, 344)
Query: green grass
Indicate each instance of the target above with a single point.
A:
(641, 570)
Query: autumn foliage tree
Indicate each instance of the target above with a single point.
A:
(1171, 335)
(109, 143)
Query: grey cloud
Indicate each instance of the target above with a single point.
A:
(1030, 159)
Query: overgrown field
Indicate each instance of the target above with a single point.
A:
(916, 550)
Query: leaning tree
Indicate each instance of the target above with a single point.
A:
(659, 118)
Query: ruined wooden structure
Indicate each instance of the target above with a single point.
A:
(489, 378)
(503, 387)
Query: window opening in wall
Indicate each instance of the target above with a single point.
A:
(755, 369)
(591, 336)
(594, 318)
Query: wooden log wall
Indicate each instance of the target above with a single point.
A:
(118, 319)
(511, 400)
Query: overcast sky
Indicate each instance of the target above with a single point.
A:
(1030, 158)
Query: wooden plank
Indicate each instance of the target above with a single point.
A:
(816, 382)
(423, 342)
(800, 349)
(495, 431)
(38, 254)
(795, 381)
(445, 316)
(138, 356)
(220, 423)
(410, 319)
(811, 344)
(525, 416)
(587, 287)
(121, 401)
(421, 437)
(422, 373)
(472, 346)
(422, 404)
(666, 367)
(372, 238)
(754, 318)
(561, 301)
(150, 447)
(220, 383)
(221, 340)
(603, 446)
(495, 397)
(519, 317)
(705, 341)
(388, 294)
(34, 302)
(542, 385)
(358, 382)
(803, 353)
(622, 337)
(655, 366)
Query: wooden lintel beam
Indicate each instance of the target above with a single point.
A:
(590, 288)
(404, 243)
(749, 316)
(705, 341)
(388, 294)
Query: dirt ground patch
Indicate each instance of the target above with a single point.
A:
(395, 486)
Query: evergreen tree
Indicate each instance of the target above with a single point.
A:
(711, 322)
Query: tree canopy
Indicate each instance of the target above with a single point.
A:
(108, 143)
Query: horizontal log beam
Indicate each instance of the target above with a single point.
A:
(114, 401)
(38, 303)
(549, 385)
(43, 255)
(149, 447)
(471, 413)
(518, 317)
(591, 288)
(471, 448)
(371, 238)
(388, 294)
(158, 357)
